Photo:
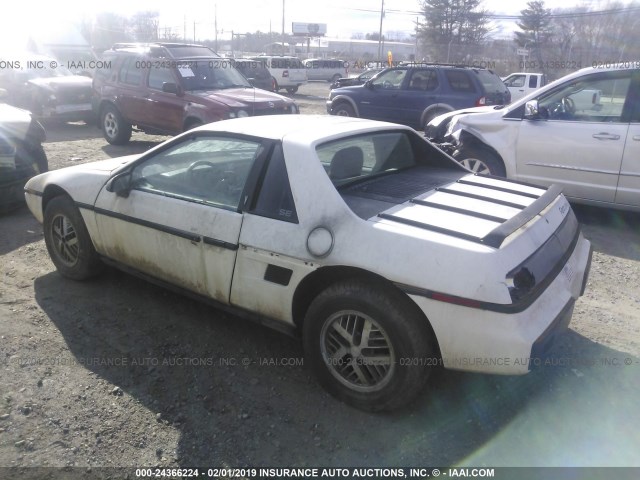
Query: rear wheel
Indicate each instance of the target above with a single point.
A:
(359, 339)
(344, 110)
(114, 128)
(480, 160)
(68, 241)
(292, 90)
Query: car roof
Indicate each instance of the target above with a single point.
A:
(302, 128)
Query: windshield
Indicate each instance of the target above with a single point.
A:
(210, 75)
(355, 158)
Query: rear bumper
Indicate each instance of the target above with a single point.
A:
(477, 340)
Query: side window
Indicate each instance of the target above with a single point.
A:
(423, 80)
(533, 81)
(391, 79)
(595, 98)
(210, 170)
(459, 81)
(516, 81)
(159, 76)
(129, 74)
(275, 199)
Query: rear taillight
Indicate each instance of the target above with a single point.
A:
(285, 73)
(481, 102)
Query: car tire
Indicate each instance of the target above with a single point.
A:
(115, 129)
(292, 90)
(481, 161)
(68, 241)
(274, 84)
(430, 116)
(332, 336)
(192, 124)
(344, 110)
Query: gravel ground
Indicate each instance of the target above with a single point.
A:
(117, 372)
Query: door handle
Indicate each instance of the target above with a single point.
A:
(606, 136)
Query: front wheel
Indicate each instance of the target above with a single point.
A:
(115, 129)
(344, 110)
(68, 241)
(367, 345)
(481, 161)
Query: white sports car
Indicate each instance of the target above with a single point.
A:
(386, 255)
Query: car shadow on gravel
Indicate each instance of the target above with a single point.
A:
(58, 131)
(17, 229)
(614, 232)
(240, 396)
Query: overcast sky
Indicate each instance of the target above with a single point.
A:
(342, 18)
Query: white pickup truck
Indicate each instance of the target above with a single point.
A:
(521, 84)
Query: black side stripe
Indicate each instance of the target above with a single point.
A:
(162, 228)
(219, 243)
(498, 189)
(463, 211)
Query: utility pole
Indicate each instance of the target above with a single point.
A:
(282, 26)
(215, 24)
(380, 33)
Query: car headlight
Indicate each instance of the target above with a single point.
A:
(242, 113)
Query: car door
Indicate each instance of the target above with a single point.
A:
(179, 220)
(131, 100)
(628, 192)
(418, 92)
(378, 99)
(516, 85)
(581, 142)
(164, 110)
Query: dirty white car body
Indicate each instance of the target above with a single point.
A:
(386, 255)
(581, 132)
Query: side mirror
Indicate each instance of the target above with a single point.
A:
(369, 84)
(533, 111)
(170, 87)
(120, 184)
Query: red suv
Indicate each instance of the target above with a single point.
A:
(167, 88)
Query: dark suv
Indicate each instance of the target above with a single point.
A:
(413, 94)
(167, 88)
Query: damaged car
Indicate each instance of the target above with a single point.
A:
(49, 90)
(21, 153)
(581, 132)
(386, 256)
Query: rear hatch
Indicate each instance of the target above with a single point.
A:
(475, 208)
(496, 92)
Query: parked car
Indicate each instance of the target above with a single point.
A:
(21, 153)
(581, 131)
(287, 72)
(152, 87)
(385, 254)
(521, 84)
(46, 88)
(357, 80)
(255, 72)
(413, 94)
(325, 69)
